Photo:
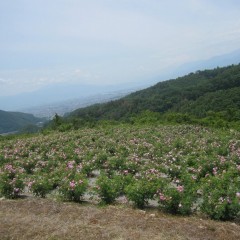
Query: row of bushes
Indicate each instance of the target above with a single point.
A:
(183, 168)
(218, 197)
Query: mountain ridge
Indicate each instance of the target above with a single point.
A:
(174, 95)
(59, 92)
(15, 121)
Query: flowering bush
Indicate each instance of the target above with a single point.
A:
(40, 186)
(176, 201)
(185, 168)
(140, 191)
(221, 197)
(180, 195)
(11, 183)
(29, 165)
(108, 189)
(72, 189)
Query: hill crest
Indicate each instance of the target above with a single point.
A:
(184, 95)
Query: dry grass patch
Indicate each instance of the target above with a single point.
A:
(34, 218)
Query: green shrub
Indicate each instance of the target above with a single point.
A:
(73, 188)
(221, 200)
(173, 201)
(40, 186)
(140, 191)
(179, 198)
(108, 189)
(11, 184)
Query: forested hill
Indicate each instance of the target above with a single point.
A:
(198, 93)
(14, 121)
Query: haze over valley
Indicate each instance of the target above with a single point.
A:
(62, 98)
(57, 53)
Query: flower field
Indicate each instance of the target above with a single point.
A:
(183, 168)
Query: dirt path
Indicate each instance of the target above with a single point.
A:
(34, 218)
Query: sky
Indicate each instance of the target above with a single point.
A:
(107, 42)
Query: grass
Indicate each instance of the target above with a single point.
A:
(36, 218)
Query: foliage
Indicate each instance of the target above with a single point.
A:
(221, 197)
(140, 191)
(193, 95)
(108, 189)
(40, 186)
(73, 188)
(182, 168)
(15, 121)
(177, 199)
(11, 183)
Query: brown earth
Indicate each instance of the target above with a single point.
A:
(34, 218)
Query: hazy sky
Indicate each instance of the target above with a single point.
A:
(108, 41)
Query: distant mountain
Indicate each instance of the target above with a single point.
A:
(58, 93)
(65, 97)
(64, 107)
(184, 69)
(214, 62)
(216, 90)
(15, 121)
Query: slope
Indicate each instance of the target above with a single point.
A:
(188, 94)
(14, 121)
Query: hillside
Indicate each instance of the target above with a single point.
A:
(14, 121)
(175, 169)
(216, 90)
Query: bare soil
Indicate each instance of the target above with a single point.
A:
(35, 218)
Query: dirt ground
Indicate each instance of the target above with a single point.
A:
(35, 218)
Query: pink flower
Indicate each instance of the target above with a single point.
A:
(30, 184)
(70, 164)
(10, 168)
(162, 197)
(16, 190)
(180, 188)
(215, 170)
(72, 184)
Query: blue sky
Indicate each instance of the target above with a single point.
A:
(108, 41)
